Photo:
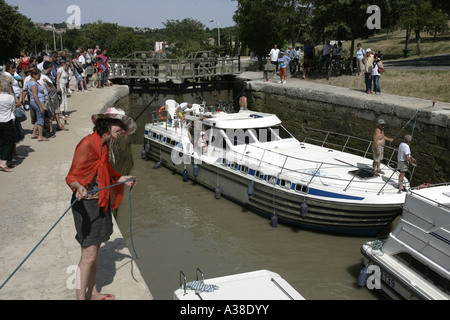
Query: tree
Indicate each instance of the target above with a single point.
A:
(15, 32)
(260, 25)
(342, 20)
(417, 16)
(297, 15)
(187, 36)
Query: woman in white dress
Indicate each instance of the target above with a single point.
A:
(62, 78)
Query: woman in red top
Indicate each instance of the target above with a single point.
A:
(24, 61)
(91, 171)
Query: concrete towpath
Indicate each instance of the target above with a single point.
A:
(32, 199)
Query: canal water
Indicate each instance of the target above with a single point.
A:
(181, 226)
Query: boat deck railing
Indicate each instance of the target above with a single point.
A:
(283, 165)
(351, 144)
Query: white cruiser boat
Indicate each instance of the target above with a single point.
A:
(255, 285)
(414, 261)
(253, 160)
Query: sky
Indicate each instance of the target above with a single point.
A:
(130, 13)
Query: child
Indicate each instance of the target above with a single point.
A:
(101, 73)
(283, 62)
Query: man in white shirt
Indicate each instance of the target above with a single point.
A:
(326, 51)
(404, 158)
(274, 57)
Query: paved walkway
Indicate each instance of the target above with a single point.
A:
(35, 196)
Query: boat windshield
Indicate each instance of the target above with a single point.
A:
(248, 136)
(274, 133)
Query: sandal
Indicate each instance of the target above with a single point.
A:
(109, 297)
(62, 129)
(52, 135)
(5, 169)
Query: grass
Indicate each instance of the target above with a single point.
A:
(430, 85)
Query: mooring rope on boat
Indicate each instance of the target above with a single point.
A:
(53, 227)
(200, 286)
(376, 245)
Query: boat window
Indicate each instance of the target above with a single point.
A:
(259, 175)
(224, 162)
(285, 184)
(280, 131)
(428, 273)
(301, 188)
(244, 169)
(241, 136)
(234, 165)
(271, 179)
(169, 141)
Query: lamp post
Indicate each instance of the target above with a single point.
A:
(218, 34)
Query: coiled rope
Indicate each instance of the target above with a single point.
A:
(200, 286)
(53, 227)
(376, 245)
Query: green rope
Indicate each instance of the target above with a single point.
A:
(376, 245)
(53, 227)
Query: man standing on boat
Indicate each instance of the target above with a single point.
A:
(379, 141)
(404, 158)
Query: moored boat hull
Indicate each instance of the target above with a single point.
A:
(322, 215)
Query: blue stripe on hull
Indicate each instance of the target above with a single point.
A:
(321, 193)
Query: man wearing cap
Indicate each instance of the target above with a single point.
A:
(404, 158)
(379, 141)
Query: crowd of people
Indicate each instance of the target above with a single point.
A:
(39, 86)
(300, 62)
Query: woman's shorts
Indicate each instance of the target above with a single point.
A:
(39, 115)
(93, 227)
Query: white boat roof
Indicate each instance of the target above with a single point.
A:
(242, 120)
(436, 194)
(255, 285)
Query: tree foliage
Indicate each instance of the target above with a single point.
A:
(16, 31)
(186, 36)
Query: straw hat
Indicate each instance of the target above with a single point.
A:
(119, 114)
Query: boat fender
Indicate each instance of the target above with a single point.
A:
(196, 168)
(251, 188)
(157, 165)
(185, 176)
(218, 192)
(143, 154)
(160, 113)
(304, 209)
(363, 276)
(147, 147)
(274, 221)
